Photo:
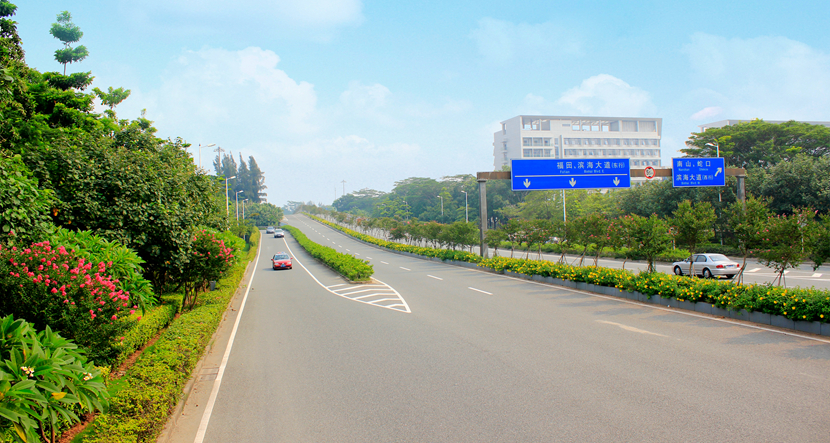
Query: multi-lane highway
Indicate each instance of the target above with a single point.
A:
(432, 352)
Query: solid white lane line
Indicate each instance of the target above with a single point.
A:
(479, 290)
(214, 392)
(817, 274)
(405, 269)
(384, 262)
(632, 329)
(432, 276)
(754, 270)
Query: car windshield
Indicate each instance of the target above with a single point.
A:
(718, 257)
(281, 257)
(279, 230)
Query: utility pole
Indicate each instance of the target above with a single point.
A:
(344, 187)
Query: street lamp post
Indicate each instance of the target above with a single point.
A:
(237, 204)
(200, 152)
(243, 208)
(442, 205)
(227, 203)
(466, 212)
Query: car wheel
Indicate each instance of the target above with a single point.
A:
(707, 273)
(678, 271)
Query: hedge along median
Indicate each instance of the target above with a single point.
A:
(346, 265)
(154, 384)
(797, 304)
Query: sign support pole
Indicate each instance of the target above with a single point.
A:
(482, 192)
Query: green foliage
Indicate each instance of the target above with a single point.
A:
(55, 287)
(249, 178)
(209, 260)
(348, 266)
(801, 182)
(77, 80)
(124, 264)
(692, 225)
(142, 192)
(45, 381)
(786, 241)
(820, 252)
(263, 214)
(24, 208)
(153, 321)
(68, 33)
(760, 144)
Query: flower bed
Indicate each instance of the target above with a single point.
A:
(348, 266)
(793, 303)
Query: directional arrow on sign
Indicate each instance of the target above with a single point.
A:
(572, 181)
(718, 171)
(527, 183)
(616, 181)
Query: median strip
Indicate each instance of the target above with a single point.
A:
(350, 267)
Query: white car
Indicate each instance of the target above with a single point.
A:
(708, 266)
(269, 230)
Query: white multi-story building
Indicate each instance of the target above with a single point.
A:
(535, 136)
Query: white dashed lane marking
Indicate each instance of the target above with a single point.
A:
(817, 275)
(432, 276)
(405, 269)
(754, 270)
(384, 262)
(479, 290)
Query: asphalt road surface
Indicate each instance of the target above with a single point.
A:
(438, 353)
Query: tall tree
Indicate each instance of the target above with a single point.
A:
(693, 224)
(760, 144)
(112, 98)
(68, 33)
(257, 179)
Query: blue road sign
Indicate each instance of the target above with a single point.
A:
(546, 174)
(697, 172)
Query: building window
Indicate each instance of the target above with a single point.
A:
(636, 162)
(526, 141)
(527, 152)
(545, 142)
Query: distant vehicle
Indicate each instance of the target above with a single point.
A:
(708, 266)
(281, 260)
(269, 230)
(279, 233)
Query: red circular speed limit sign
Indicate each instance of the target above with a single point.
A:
(649, 172)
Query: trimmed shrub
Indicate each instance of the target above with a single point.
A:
(348, 266)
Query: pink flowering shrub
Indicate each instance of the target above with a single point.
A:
(210, 257)
(54, 287)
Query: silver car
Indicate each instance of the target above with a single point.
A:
(708, 266)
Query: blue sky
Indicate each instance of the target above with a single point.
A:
(321, 91)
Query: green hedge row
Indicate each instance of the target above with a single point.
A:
(443, 254)
(794, 303)
(153, 385)
(151, 323)
(348, 266)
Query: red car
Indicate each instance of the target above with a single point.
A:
(281, 260)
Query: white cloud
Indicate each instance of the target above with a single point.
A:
(707, 113)
(774, 78)
(217, 89)
(607, 95)
(364, 97)
(501, 41)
